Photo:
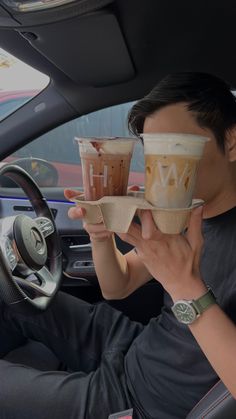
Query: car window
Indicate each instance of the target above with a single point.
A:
(18, 83)
(11, 104)
(53, 158)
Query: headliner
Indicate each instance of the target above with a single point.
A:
(161, 37)
(118, 53)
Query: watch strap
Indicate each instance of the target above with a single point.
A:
(205, 301)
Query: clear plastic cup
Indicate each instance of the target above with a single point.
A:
(105, 166)
(171, 162)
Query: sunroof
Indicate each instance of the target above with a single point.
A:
(18, 83)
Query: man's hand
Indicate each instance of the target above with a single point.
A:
(171, 259)
(97, 232)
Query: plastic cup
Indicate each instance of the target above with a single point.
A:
(105, 166)
(171, 162)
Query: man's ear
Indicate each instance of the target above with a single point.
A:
(230, 144)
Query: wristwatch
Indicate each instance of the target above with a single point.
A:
(188, 311)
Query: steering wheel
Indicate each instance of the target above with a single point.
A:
(26, 244)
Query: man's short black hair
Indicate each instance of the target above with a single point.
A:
(207, 96)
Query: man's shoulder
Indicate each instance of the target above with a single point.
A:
(224, 219)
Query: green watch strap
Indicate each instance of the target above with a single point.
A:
(202, 303)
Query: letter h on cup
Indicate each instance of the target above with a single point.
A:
(102, 176)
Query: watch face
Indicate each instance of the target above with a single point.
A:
(184, 312)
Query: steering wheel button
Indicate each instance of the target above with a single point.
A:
(9, 253)
(45, 225)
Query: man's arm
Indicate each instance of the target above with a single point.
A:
(216, 335)
(118, 275)
(214, 332)
(174, 261)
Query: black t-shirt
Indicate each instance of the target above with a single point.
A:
(166, 370)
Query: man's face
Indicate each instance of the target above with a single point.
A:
(213, 173)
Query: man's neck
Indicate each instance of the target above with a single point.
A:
(220, 204)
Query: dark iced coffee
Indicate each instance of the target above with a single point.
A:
(105, 166)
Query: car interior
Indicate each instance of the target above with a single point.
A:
(99, 57)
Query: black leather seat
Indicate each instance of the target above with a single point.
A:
(218, 403)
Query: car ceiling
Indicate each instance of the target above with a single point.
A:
(104, 52)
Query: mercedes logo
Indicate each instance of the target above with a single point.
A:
(37, 240)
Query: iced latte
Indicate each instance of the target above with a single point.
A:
(171, 162)
(105, 166)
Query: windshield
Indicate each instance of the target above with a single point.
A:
(53, 159)
(18, 83)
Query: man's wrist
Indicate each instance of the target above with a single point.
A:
(194, 289)
(188, 311)
(107, 238)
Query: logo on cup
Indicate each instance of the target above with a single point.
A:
(92, 175)
(167, 173)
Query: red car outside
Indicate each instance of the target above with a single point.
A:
(12, 100)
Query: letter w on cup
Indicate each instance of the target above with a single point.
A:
(171, 173)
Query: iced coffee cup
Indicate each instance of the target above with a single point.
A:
(105, 166)
(171, 162)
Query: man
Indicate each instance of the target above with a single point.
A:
(164, 368)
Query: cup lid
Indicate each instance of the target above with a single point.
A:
(173, 136)
(174, 143)
(106, 145)
(102, 139)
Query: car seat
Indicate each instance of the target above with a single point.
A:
(218, 403)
